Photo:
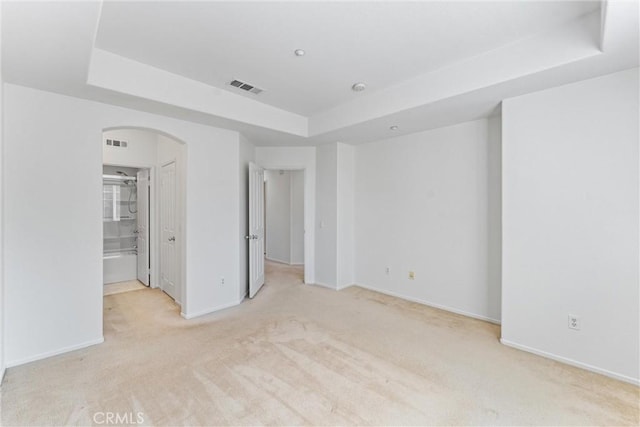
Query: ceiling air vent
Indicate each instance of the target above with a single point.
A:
(116, 143)
(245, 86)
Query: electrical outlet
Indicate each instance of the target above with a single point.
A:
(412, 275)
(222, 280)
(574, 322)
(387, 271)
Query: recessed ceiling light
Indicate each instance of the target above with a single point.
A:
(394, 127)
(299, 52)
(358, 87)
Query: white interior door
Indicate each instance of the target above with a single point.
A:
(143, 226)
(168, 248)
(256, 229)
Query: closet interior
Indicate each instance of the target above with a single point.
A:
(125, 214)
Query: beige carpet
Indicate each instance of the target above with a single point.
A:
(301, 354)
(119, 287)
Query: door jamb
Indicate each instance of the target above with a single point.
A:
(307, 217)
(154, 253)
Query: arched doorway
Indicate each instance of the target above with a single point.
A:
(143, 211)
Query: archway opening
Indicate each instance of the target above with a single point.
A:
(144, 212)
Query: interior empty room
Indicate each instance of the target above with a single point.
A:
(320, 213)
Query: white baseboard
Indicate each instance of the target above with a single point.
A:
(47, 354)
(430, 304)
(571, 362)
(188, 316)
(279, 261)
(2, 371)
(332, 287)
(324, 285)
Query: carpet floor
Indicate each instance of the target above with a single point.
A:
(305, 355)
(119, 287)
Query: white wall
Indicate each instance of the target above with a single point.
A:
(58, 305)
(345, 200)
(570, 223)
(296, 158)
(326, 215)
(422, 204)
(284, 205)
(297, 217)
(141, 150)
(335, 215)
(247, 155)
(2, 334)
(494, 216)
(169, 150)
(278, 215)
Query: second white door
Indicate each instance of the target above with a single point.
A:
(169, 271)
(256, 229)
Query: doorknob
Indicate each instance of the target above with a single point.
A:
(172, 238)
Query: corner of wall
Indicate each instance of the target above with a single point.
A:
(494, 207)
(345, 207)
(2, 361)
(326, 214)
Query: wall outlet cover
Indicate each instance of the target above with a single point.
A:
(574, 322)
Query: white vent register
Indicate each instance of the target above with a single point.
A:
(245, 86)
(116, 143)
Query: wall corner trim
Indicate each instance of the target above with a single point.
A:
(188, 316)
(566, 360)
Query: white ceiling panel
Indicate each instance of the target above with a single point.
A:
(427, 64)
(379, 43)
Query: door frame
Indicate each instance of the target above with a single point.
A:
(154, 254)
(148, 236)
(181, 159)
(309, 219)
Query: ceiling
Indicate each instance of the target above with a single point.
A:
(426, 64)
(379, 43)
